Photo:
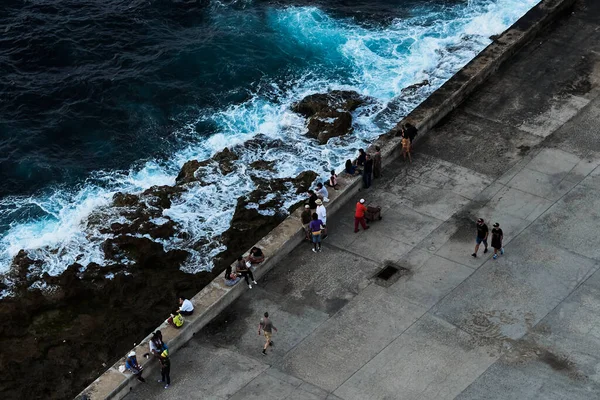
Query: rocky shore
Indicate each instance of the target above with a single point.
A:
(64, 330)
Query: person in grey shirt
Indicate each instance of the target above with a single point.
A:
(267, 327)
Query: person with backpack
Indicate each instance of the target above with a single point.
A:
(165, 368)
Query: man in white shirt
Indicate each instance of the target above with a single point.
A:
(322, 192)
(185, 306)
(322, 213)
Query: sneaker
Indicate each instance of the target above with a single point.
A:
(271, 343)
(485, 250)
(314, 251)
(256, 283)
(495, 256)
(249, 286)
(166, 386)
(264, 352)
(319, 249)
(474, 255)
(160, 380)
(502, 251)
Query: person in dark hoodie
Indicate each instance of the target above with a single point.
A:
(368, 171)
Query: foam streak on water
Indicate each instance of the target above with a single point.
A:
(379, 62)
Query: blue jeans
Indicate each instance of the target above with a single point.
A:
(367, 177)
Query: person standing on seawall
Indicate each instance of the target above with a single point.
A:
(377, 163)
(165, 368)
(267, 327)
(322, 213)
(368, 171)
(482, 234)
(306, 217)
(497, 238)
(359, 216)
(316, 227)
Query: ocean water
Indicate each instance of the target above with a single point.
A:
(98, 97)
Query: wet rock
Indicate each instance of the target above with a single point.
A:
(225, 159)
(161, 196)
(187, 172)
(413, 88)
(263, 165)
(125, 200)
(329, 114)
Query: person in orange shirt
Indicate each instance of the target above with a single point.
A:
(359, 216)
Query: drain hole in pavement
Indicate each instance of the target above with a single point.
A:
(387, 272)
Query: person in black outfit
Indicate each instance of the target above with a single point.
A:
(368, 171)
(312, 199)
(165, 368)
(497, 237)
(482, 234)
(244, 270)
(410, 131)
(362, 157)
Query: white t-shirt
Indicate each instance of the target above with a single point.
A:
(322, 214)
(187, 306)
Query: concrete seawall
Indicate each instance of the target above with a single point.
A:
(285, 237)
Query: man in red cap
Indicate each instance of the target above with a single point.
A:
(482, 234)
(359, 215)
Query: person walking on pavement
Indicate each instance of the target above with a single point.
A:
(406, 147)
(368, 171)
(377, 163)
(497, 237)
(165, 368)
(482, 234)
(359, 216)
(267, 327)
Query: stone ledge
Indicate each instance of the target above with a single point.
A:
(215, 297)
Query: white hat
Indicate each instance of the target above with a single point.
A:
(307, 206)
(131, 354)
(362, 200)
(319, 202)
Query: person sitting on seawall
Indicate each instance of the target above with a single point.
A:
(132, 365)
(185, 307)
(312, 197)
(243, 268)
(256, 256)
(351, 168)
(322, 192)
(332, 181)
(231, 278)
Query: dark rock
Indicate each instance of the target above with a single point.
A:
(125, 200)
(161, 196)
(263, 165)
(225, 159)
(345, 100)
(412, 88)
(187, 172)
(329, 113)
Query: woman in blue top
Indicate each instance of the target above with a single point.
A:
(315, 227)
(132, 364)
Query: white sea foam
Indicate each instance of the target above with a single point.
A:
(378, 62)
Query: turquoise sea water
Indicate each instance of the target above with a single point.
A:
(99, 97)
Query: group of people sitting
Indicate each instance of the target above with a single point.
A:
(243, 268)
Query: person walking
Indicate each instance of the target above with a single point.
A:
(482, 234)
(316, 225)
(243, 268)
(497, 238)
(306, 217)
(377, 163)
(267, 327)
(165, 368)
(411, 132)
(359, 216)
(368, 171)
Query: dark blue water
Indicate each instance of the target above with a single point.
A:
(99, 96)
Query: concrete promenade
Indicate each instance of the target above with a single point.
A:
(523, 151)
